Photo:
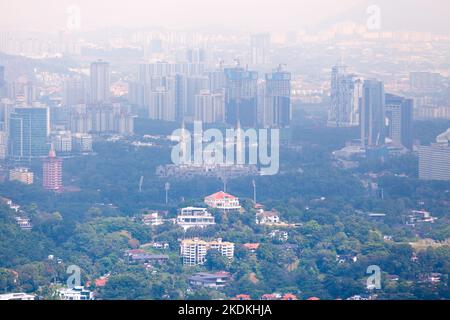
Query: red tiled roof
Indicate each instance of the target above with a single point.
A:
(221, 196)
(313, 299)
(289, 296)
(101, 282)
(242, 297)
(251, 246)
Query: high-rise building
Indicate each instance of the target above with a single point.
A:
(277, 102)
(102, 118)
(162, 105)
(74, 91)
(260, 47)
(434, 160)
(241, 96)
(425, 81)
(2, 82)
(196, 55)
(209, 107)
(29, 128)
(193, 251)
(372, 114)
(217, 80)
(399, 115)
(30, 93)
(100, 82)
(52, 172)
(345, 94)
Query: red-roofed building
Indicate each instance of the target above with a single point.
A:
(289, 296)
(99, 283)
(223, 201)
(252, 247)
(313, 299)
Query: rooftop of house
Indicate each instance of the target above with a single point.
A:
(204, 276)
(267, 214)
(221, 196)
(251, 246)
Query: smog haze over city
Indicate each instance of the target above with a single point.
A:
(225, 151)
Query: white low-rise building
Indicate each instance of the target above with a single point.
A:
(152, 218)
(267, 217)
(223, 201)
(17, 296)
(192, 217)
(76, 293)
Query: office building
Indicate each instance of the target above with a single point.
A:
(372, 114)
(434, 160)
(100, 82)
(345, 94)
(260, 49)
(241, 96)
(28, 132)
(277, 102)
(399, 116)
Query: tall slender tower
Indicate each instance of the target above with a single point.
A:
(100, 82)
(373, 114)
(52, 172)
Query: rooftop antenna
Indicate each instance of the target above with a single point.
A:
(225, 182)
(141, 182)
(254, 190)
(167, 188)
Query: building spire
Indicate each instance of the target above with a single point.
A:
(52, 152)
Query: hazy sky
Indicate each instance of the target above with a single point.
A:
(263, 15)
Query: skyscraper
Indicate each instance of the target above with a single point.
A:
(162, 105)
(241, 96)
(52, 172)
(209, 107)
(399, 115)
(260, 46)
(277, 106)
(434, 160)
(74, 91)
(28, 131)
(2, 82)
(345, 93)
(372, 114)
(100, 82)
